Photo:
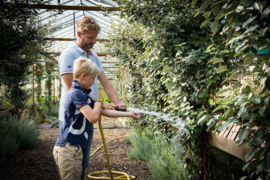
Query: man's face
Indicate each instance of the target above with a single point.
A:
(88, 39)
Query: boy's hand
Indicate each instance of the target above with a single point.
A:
(108, 106)
(111, 106)
(135, 115)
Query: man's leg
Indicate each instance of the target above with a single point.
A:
(87, 150)
(60, 124)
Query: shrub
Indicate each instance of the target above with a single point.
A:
(8, 145)
(24, 132)
(157, 153)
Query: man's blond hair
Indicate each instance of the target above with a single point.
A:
(88, 22)
(84, 65)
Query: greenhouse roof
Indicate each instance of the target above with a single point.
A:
(64, 15)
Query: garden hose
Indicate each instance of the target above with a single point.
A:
(124, 176)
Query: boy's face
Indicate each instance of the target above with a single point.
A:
(88, 81)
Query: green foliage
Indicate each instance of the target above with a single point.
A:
(162, 162)
(8, 145)
(105, 98)
(245, 24)
(22, 35)
(17, 133)
(25, 132)
(176, 56)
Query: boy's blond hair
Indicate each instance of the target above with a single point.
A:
(84, 65)
(88, 22)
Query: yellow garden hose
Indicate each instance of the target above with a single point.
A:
(124, 176)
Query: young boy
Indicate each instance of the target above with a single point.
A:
(80, 111)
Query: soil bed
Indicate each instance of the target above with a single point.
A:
(38, 164)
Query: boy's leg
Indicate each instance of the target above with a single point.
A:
(87, 150)
(68, 159)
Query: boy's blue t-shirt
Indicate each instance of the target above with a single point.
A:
(75, 126)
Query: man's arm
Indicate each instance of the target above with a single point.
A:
(109, 89)
(67, 78)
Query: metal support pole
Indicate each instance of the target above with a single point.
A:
(33, 92)
(74, 23)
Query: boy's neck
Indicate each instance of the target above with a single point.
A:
(80, 82)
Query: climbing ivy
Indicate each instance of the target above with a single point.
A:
(38, 89)
(245, 25)
(178, 55)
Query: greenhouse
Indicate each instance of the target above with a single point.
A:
(146, 90)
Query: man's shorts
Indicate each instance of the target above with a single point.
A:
(68, 159)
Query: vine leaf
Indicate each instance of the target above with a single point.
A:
(203, 119)
(244, 133)
(227, 123)
(221, 69)
(261, 111)
(205, 22)
(250, 154)
(214, 27)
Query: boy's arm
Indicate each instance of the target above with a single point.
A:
(110, 113)
(91, 114)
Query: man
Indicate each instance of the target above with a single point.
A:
(87, 32)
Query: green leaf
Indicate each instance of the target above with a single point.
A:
(249, 21)
(226, 51)
(205, 4)
(250, 154)
(205, 22)
(244, 177)
(258, 141)
(203, 119)
(244, 133)
(259, 133)
(245, 166)
(234, 75)
(221, 69)
(257, 100)
(224, 90)
(194, 2)
(209, 122)
(215, 60)
(266, 162)
(252, 28)
(209, 48)
(266, 101)
(219, 107)
(214, 27)
(248, 61)
(200, 114)
(239, 8)
(262, 109)
(207, 14)
(215, 10)
(265, 12)
(263, 31)
(227, 123)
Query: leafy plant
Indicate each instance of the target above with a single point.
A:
(156, 152)
(177, 55)
(22, 36)
(17, 133)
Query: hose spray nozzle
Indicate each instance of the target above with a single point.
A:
(121, 108)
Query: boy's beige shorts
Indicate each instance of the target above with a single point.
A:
(68, 159)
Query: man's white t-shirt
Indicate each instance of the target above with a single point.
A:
(65, 63)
